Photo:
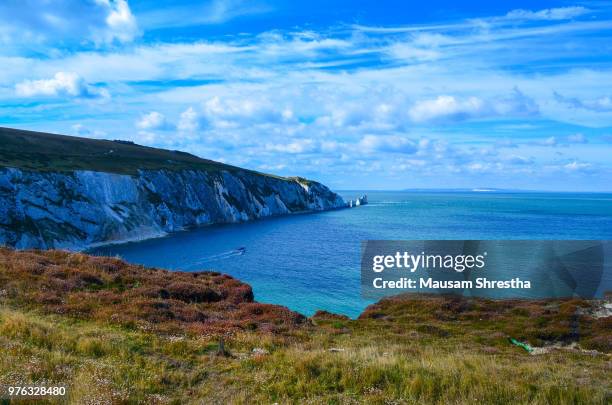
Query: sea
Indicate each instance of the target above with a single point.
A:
(311, 262)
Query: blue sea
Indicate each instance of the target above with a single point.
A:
(312, 261)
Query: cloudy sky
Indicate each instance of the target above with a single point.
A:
(357, 94)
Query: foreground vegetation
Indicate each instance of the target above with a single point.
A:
(116, 333)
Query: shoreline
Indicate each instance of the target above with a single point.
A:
(163, 234)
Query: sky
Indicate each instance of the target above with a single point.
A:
(356, 94)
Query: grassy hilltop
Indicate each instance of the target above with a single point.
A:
(40, 151)
(118, 333)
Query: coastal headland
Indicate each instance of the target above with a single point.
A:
(68, 192)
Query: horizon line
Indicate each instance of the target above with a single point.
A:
(479, 190)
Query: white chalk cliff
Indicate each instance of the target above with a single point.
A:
(84, 208)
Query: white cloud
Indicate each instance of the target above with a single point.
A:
(153, 120)
(68, 22)
(245, 110)
(297, 146)
(410, 164)
(506, 143)
(600, 104)
(478, 167)
(451, 108)
(121, 24)
(577, 138)
(148, 138)
(210, 12)
(81, 130)
(271, 168)
(222, 10)
(519, 160)
(189, 120)
(564, 141)
(286, 44)
(409, 52)
(577, 166)
(387, 143)
(446, 107)
(61, 84)
(560, 13)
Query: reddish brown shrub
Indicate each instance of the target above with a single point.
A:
(189, 292)
(110, 290)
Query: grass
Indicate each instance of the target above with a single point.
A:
(404, 350)
(44, 152)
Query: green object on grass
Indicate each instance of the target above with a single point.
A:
(521, 344)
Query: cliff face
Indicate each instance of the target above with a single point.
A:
(81, 208)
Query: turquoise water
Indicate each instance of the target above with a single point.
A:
(311, 261)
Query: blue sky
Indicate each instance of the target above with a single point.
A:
(357, 94)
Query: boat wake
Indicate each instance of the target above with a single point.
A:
(220, 256)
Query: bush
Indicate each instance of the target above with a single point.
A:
(188, 292)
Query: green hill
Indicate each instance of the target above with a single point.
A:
(41, 151)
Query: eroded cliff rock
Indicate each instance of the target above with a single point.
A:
(78, 209)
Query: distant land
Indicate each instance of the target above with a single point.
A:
(472, 190)
(493, 190)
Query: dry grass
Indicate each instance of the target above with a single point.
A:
(539, 322)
